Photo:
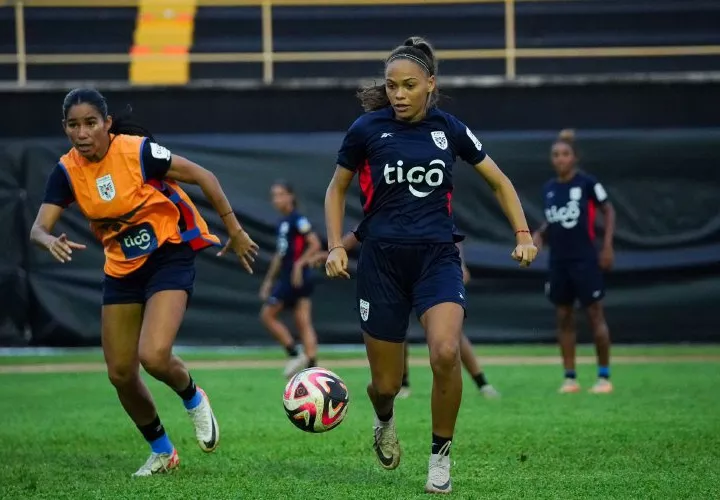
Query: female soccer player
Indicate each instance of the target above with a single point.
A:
(467, 356)
(403, 149)
(126, 186)
(571, 200)
(296, 244)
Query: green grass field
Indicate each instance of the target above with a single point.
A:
(658, 436)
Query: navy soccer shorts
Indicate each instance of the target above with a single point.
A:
(393, 279)
(284, 293)
(575, 280)
(170, 267)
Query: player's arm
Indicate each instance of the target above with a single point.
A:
(313, 247)
(273, 270)
(349, 241)
(600, 197)
(465, 270)
(58, 195)
(335, 198)
(507, 197)
(540, 235)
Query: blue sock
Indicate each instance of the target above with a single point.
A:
(162, 445)
(193, 402)
(570, 374)
(604, 371)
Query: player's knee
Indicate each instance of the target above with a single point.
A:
(444, 355)
(386, 387)
(156, 360)
(122, 376)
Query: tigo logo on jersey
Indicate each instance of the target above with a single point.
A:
(439, 139)
(364, 309)
(432, 177)
(137, 241)
(567, 215)
(105, 187)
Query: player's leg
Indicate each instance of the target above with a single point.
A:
(383, 310)
(470, 362)
(439, 300)
(306, 330)
(269, 318)
(591, 292)
(561, 293)
(121, 324)
(167, 293)
(404, 392)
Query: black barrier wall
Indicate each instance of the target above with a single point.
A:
(664, 184)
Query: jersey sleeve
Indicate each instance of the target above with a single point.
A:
(155, 160)
(303, 226)
(352, 152)
(57, 189)
(467, 146)
(596, 190)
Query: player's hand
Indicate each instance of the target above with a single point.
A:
(466, 274)
(243, 246)
(265, 290)
(297, 276)
(538, 241)
(318, 259)
(62, 248)
(607, 258)
(337, 263)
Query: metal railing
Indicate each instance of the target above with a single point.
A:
(268, 57)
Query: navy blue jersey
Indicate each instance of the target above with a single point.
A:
(155, 166)
(292, 231)
(570, 210)
(405, 173)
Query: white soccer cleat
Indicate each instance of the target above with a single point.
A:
(159, 463)
(439, 472)
(489, 392)
(386, 445)
(295, 365)
(207, 430)
(569, 386)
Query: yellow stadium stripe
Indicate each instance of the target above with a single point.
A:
(162, 28)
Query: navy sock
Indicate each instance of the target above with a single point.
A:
(154, 433)
(312, 362)
(570, 374)
(405, 381)
(292, 350)
(604, 372)
(441, 445)
(385, 418)
(191, 397)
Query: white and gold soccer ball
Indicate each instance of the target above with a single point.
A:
(316, 400)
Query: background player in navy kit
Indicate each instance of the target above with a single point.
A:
(403, 150)
(571, 201)
(467, 355)
(296, 244)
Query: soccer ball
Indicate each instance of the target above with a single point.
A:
(316, 400)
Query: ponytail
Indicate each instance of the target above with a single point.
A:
(124, 124)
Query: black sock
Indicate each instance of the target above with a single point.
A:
(480, 379)
(438, 443)
(189, 392)
(405, 381)
(152, 431)
(385, 418)
(312, 362)
(292, 351)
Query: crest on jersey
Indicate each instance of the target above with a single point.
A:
(364, 309)
(105, 187)
(284, 226)
(439, 139)
(575, 193)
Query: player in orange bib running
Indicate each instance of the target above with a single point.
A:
(126, 186)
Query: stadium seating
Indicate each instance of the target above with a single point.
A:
(539, 25)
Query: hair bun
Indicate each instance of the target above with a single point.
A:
(567, 134)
